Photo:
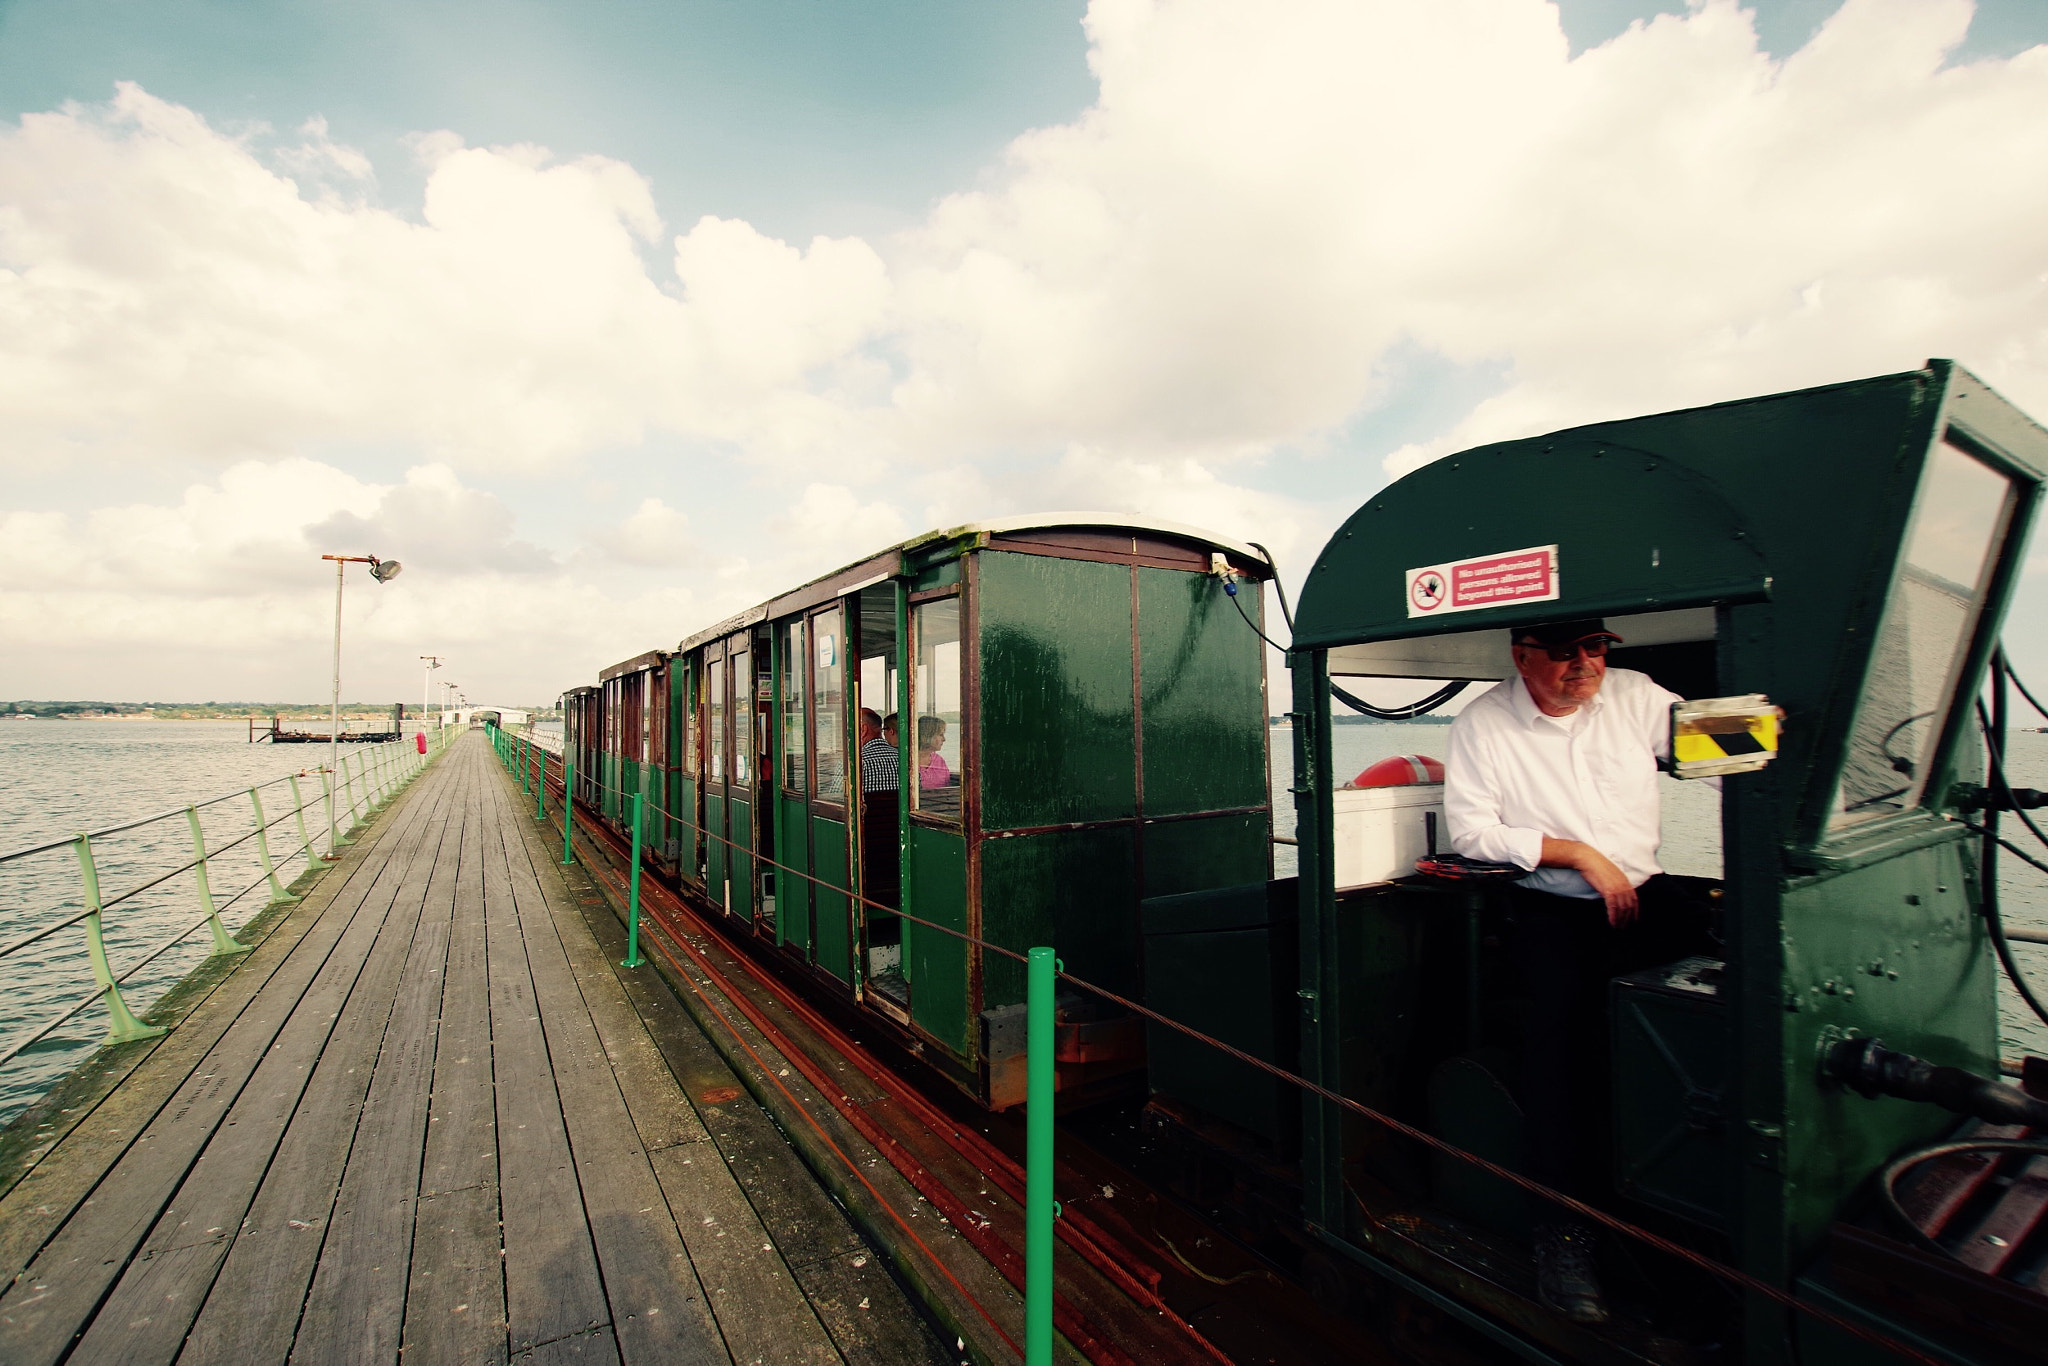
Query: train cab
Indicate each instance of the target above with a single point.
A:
(582, 741)
(634, 716)
(1844, 553)
(1010, 730)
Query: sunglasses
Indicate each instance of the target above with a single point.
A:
(1564, 654)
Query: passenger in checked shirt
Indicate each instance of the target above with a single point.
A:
(1555, 771)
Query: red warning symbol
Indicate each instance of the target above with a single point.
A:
(1426, 591)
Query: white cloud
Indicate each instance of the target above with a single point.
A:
(1212, 262)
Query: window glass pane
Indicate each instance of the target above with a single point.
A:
(689, 706)
(794, 769)
(742, 718)
(935, 701)
(716, 668)
(1927, 627)
(880, 764)
(828, 702)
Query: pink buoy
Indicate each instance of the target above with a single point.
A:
(1403, 770)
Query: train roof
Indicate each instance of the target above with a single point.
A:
(969, 536)
(639, 663)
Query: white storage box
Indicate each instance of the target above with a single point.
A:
(1381, 831)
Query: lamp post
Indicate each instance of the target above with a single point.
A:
(432, 662)
(383, 571)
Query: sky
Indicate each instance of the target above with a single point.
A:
(609, 320)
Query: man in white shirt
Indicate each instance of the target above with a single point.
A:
(1555, 771)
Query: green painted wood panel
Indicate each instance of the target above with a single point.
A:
(717, 857)
(936, 963)
(793, 891)
(1204, 711)
(1056, 715)
(1076, 890)
(832, 924)
(1196, 855)
(740, 856)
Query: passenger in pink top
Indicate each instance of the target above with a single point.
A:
(931, 767)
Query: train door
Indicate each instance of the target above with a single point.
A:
(831, 920)
(661, 822)
(744, 755)
(879, 767)
(935, 855)
(685, 763)
(792, 905)
(609, 795)
(718, 747)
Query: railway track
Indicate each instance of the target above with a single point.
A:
(1139, 1278)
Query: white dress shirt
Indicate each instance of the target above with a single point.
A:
(1514, 775)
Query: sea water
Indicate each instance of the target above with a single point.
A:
(60, 777)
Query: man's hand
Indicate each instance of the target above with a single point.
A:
(1600, 873)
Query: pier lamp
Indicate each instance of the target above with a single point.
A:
(383, 571)
(432, 662)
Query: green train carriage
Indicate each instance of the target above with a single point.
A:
(1850, 551)
(1087, 727)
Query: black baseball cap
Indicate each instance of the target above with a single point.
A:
(1565, 632)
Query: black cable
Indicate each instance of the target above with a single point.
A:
(2005, 664)
(1993, 918)
(1887, 1183)
(1407, 711)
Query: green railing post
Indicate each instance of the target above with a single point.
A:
(1040, 1209)
(632, 959)
(125, 1027)
(277, 891)
(348, 791)
(224, 945)
(299, 811)
(523, 757)
(540, 785)
(333, 830)
(568, 808)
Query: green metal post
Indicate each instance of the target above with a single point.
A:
(540, 785)
(1040, 1209)
(348, 791)
(632, 959)
(299, 810)
(333, 829)
(224, 945)
(125, 1027)
(277, 891)
(568, 808)
(520, 756)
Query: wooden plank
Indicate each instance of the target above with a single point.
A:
(592, 1348)
(658, 1309)
(354, 1311)
(64, 1284)
(252, 1310)
(552, 1286)
(47, 1193)
(867, 1313)
(455, 1302)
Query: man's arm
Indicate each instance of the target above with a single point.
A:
(1600, 873)
(1472, 806)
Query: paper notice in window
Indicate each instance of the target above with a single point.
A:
(1484, 581)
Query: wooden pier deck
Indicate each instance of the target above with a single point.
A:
(424, 1118)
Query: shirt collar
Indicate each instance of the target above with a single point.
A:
(1528, 713)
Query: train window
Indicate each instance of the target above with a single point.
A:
(935, 702)
(743, 695)
(794, 767)
(828, 702)
(687, 673)
(715, 671)
(1928, 623)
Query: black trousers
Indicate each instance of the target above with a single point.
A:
(1567, 953)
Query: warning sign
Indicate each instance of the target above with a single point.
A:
(1484, 581)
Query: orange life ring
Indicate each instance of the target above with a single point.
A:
(1403, 770)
